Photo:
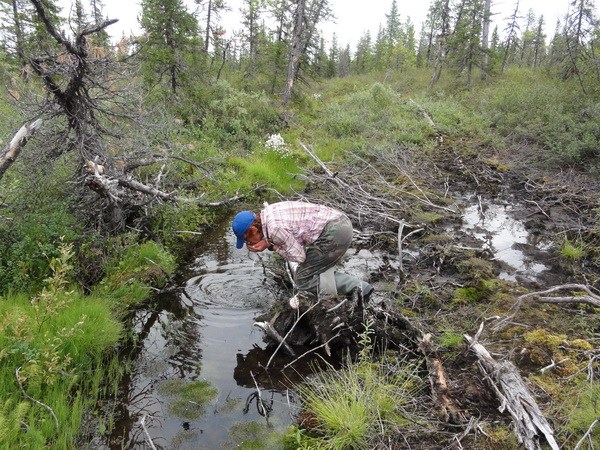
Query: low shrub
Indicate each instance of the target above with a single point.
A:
(132, 271)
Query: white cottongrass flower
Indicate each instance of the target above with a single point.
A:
(277, 144)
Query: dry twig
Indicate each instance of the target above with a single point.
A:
(33, 399)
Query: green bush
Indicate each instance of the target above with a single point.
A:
(528, 106)
(29, 242)
(240, 118)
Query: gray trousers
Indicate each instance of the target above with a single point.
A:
(321, 258)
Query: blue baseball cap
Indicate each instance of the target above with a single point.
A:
(241, 223)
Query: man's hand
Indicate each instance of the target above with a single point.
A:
(259, 246)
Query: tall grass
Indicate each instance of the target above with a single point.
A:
(53, 361)
(268, 169)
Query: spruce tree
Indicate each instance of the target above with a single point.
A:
(171, 36)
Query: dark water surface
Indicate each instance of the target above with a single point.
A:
(206, 333)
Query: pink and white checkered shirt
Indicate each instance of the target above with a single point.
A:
(292, 225)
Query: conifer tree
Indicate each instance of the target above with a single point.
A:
(363, 58)
(380, 50)
(24, 31)
(251, 10)
(307, 14)
(539, 43)
(511, 40)
(579, 32)
(280, 10)
(331, 69)
(213, 15)
(343, 67)
(527, 40)
(171, 33)
(440, 16)
(485, 36)
(464, 46)
(97, 17)
(320, 59)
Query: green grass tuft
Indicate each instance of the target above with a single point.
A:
(350, 408)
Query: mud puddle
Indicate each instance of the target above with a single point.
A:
(204, 338)
(523, 256)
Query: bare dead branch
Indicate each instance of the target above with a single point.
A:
(37, 402)
(553, 365)
(329, 173)
(587, 434)
(148, 438)
(14, 147)
(591, 299)
(98, 27)
(273, 334)
(446, 406)
(308, 352)
(515, 397)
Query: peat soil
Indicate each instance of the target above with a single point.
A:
(461, 239)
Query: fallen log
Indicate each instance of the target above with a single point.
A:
(529, 422)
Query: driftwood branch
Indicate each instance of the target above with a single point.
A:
(112, 188)
(283, 340)
(329, 173)
(273, 334)
(14, 147)
(513, 393)
(308, 352)
(148, 438)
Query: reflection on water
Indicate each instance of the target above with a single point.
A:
(205, 333)
(505, 237)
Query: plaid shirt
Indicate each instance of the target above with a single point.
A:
(292, 225)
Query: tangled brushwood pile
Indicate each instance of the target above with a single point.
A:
(510, 362)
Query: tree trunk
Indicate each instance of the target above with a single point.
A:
(442, 41)
(208, 18)
(485, 39)
(295, 51)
